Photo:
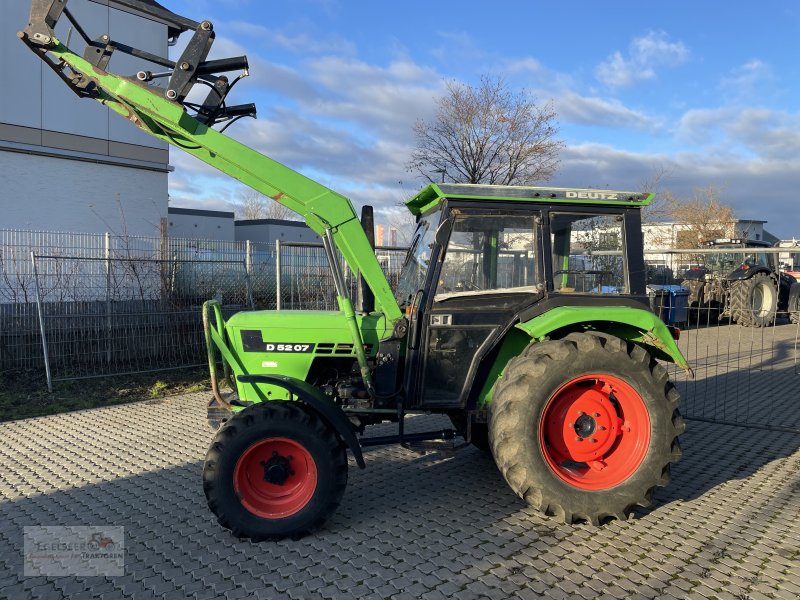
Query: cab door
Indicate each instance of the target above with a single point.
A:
(490, 269)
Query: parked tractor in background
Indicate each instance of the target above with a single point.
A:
(495, 323)
(744, 284)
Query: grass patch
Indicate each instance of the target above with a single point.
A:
(158, 389)
(24, 394)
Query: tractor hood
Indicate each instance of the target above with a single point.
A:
(312, 330)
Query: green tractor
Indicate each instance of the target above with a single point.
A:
(746, 286)
(521, 313)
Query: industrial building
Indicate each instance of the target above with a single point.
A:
(222, 226)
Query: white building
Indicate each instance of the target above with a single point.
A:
(672, 235)
(67, 164)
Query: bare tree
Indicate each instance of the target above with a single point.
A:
(659, 208)
(487, 134)
(253, 205)
(702, 217)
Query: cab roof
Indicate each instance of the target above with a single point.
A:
(433, 194)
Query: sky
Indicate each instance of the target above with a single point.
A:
(704, 93)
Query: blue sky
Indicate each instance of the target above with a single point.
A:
(706, 92)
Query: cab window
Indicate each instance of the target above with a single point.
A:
(587, 253)
(415, 267)
(487, 253)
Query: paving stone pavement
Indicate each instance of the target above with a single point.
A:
(409, 527)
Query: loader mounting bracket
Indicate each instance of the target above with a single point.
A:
(190, 69)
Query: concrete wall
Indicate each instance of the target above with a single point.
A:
(201, 224)
(269, 230)
(753, 230)
(52, 194)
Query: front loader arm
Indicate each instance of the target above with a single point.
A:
(163, 114)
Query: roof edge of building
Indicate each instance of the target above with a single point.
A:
(196, 212)
(284, 222)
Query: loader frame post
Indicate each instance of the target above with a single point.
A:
(346, 306)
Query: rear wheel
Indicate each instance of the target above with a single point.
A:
(586, 427)
(275, 470)
(754, 301)
(793, 306)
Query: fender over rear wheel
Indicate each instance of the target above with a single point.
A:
(275, 470)
(586, 427)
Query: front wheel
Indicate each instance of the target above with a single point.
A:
(586, 427)
(275, 470)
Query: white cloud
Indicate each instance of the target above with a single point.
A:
(457, 49)
(749, 82)
(700, 125)
(302, 42)
(587, 110)
(755, 188)
(756, 132)
(527, 65)
(645, 54)
(773, 135)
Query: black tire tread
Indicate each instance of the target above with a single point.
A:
(741, 294)
(510, 396)
(794, 307)
(256, 417)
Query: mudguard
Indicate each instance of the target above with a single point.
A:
(628, 323)
(741, 274)
(315, 399)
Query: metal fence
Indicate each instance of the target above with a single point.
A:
(125, 304)
(306, 282)
(114, 305)
(743, 375)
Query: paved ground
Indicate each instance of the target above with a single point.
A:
(743, 375)
(409, 526)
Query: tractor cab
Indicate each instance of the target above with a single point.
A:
(729, 264)
(486, 258)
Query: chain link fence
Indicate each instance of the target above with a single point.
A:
(116, 304)
(740, 320)
(124, 304)
(306, 282)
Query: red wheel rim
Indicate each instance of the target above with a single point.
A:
(595, 431)
(275, 478)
